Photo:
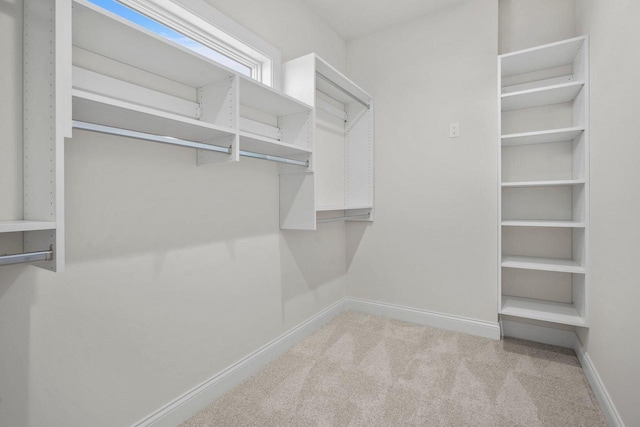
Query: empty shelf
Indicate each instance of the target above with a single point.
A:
(543, 264)
(269, 146)
(263, 98)
(541, 137)
(541, 310)
(341, 208)
(348, 93)
(102, 110)
(17, 226)
(556, 183)
(548, 95)
(540, 223)
(104, 33)
(541, 57)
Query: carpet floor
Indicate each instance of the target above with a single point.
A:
(363, 370)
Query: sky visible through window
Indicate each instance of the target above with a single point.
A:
(168, 33)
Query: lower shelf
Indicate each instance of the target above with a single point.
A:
(18, 226)
(543, 264)
(541, 310)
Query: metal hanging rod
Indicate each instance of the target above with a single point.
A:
(341, 89)
(345, 218)
(181, 142)
(148, 137)
(26, 257)
(304, 163)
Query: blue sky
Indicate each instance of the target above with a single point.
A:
(170, 34)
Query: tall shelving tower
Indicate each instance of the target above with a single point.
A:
(544, 183)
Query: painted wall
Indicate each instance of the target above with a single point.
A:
(173, 271)
(434, 240)
(528, 23)
(612, 341)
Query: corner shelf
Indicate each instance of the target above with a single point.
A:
(547, 311)
(541, 137)
(547, 95)
(543, 264)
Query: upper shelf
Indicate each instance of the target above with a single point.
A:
(338, 80)
(102, 110)
(541, 57)
(109, 35)
(548, 95)
(20, 225)
(266, 99)
(541, 137)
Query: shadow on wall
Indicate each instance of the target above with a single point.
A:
(355, 234)
(15, 327)
(310, 260)
(125, 197)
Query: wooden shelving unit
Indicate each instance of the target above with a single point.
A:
(544, 183)
(343, 146)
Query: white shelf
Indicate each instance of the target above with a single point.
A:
(541, 137)
(341, 208)
(541, 57)
(109, 35)
(548, 95)
(17, 226)
(556, 183)
(547, 311)
(269, 146)
(102, 110)
(538, 223)
(263, 98)
(339, 79)
(543, 264)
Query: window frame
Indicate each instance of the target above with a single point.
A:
(205, 24)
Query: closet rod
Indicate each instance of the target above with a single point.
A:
(344, 218)
(181, 142)
(26, 257)
(148, 137)
(304, 163)
(341, 89)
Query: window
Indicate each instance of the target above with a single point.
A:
(199, 27)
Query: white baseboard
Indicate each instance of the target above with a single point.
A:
(187, 405)
(608, 408)
(427, 318)
(562, 338)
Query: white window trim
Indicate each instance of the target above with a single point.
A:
(205, 24)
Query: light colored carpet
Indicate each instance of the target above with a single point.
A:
(363, 370)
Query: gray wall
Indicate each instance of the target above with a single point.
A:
(612, 341)
(433, 244)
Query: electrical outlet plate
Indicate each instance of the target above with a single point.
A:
(454, 130)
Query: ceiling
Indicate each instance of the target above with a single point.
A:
(352, 19)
